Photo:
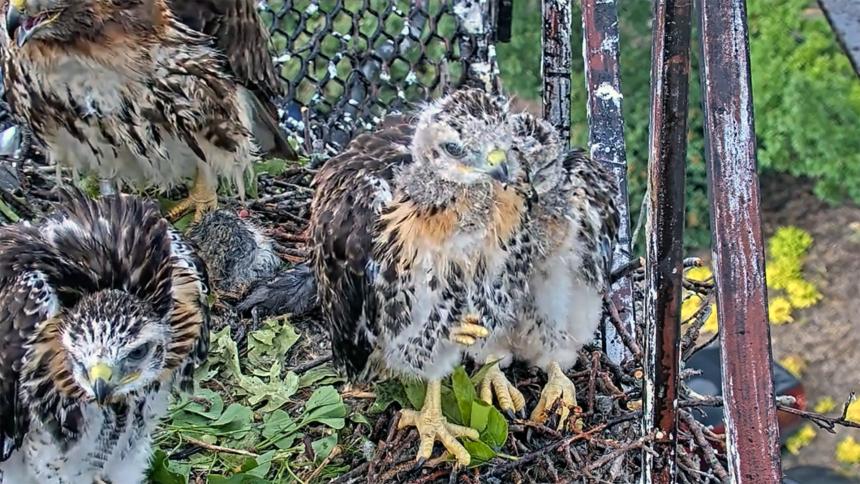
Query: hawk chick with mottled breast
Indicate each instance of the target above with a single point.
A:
(573, 223)
(103, 312)
(412, 227)
(125, 89)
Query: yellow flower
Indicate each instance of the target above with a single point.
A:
(781, 272)
(689, 308)
(854, 411)
(789, 243)
(848, 451)
(801, 439)
(825, 405)
(779, 311)
(802, 294)
(699, 274)
(794, 364)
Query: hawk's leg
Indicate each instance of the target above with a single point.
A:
(468, 332)
(510, 399)
(433, 426)
(559, 388)
(202, 197)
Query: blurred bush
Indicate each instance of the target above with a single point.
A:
(806, 95)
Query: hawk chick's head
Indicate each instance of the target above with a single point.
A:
(539, 150)
(57, 20)
(115, 343)
(466, 138)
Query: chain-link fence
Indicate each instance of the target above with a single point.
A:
(346, 63)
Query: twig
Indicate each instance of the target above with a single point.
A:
(310, 365)
(626, 338)
(823, 421)
(352, 474)
(218, 448)
(626, 269)
(334, 453)
(637, 444)
(532, 456)
(711, 454)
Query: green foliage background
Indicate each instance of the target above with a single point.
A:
(806, 96)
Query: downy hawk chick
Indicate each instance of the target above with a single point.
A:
(574, 226)
(125, 89)
(102, 313)
(412, 225)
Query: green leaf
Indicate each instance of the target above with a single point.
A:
(464, 392)
(478, 377)
(388, 392)
(323, 447)
(260, 466)
(450, 407)
(211, 411)
(496, 432)
(235, 418)
(479, 415)
(161, 472)
(480, 452)
(325, 406)
(271, 343)
(279, 423)
(321, 375)
(240, 478)
(415, 391)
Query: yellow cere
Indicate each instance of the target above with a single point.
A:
(496, 157)
(100, 370)
(19, 5)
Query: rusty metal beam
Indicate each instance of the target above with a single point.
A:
(606, 139)
(555, 64)
(664, 267)
(733, 187)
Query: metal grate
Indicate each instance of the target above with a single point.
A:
(349, 62)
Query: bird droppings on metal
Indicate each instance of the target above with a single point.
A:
(607, 92)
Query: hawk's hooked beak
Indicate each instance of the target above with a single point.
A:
(498, 160)
(21, 26)
(100, 376)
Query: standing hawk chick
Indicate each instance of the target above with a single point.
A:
(412, 225)
(574, 226)
(124, 89)
(102, 312)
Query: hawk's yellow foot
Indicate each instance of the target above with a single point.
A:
(558, 387)
(202, 197)
(510, 399)
(468, 332)
(433, 426)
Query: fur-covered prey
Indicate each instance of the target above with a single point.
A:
(409, 240)
(574, 224)
(102, 284)
(124, 89)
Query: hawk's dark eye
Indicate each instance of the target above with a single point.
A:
(138, 353)
(454, 150)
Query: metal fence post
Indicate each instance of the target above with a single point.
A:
(555, 64)
(752, 431)
(664, 267)
(606, 139)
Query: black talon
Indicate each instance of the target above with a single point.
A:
(419, 464)
(510, 414)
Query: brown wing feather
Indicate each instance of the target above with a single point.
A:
(239, 33)
(348, 190)
(22, 307)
